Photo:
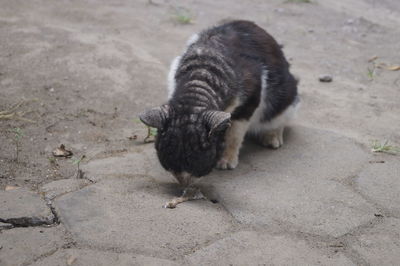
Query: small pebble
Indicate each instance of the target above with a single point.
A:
(325, 78)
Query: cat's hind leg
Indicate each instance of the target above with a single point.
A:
(272, 138)
(270, 133)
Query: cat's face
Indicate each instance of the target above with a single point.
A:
(183, 144)
(188, 144)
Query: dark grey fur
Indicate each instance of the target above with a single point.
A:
(224, 65)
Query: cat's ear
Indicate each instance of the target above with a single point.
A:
(217, 121)
(155, 117)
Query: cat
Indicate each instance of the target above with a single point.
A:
(232, 80)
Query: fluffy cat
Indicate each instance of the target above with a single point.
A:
(232, 80)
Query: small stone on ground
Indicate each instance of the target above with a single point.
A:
(325, 78)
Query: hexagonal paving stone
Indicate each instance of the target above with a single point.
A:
(58, 187)
(143, 161)
(255, 248)
(380, 245)
(99, 258)
(22, 207)
(21, 246)
(127, 213)
(381, 182)
(298, 184)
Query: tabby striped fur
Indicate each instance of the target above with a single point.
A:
(232, 79)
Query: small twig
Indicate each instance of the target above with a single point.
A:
(337, 246)
(13, 114)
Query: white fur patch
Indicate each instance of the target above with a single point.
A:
(277, 122)
(171, 76)
(255, 120)
(194, 38)
(175, 64)
(256, 126)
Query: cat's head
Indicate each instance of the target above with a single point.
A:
(187, 142)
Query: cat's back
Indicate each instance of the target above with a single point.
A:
(238, 40)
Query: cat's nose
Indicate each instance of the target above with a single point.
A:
(184, 178)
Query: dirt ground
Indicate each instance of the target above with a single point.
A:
(79, 72)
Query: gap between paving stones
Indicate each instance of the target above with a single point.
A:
(345, 240)
(30, 221)
(327, 244)
(281, 228)
(382, 209)
(81, 245)
(33, 221)
(350, 238)
(43, 256)
(277, 229)
(350, 183)
(48, 254)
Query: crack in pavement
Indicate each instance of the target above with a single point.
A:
(27, 221)
(32, 221)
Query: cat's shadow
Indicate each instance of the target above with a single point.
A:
(251, 152)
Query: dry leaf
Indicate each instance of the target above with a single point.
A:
(393, 68)
(62, 152)
(8, 188)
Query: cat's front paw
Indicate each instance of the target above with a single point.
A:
(227, 163)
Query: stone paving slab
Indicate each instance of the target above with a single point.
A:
(255, 248)
(81, 257)
(380, 245)
(59, 187)
(381, 182)
(127, 214)
(22, 207)
(299, 184)
(21, 246)
(143, 161)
